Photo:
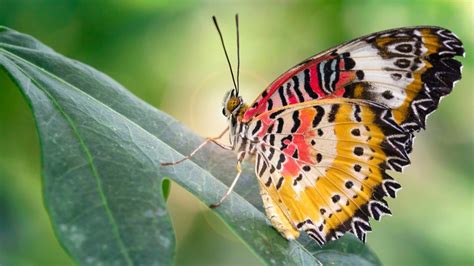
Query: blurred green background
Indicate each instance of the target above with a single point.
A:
(168, 53)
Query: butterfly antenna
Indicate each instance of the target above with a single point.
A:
(226, 55)
(238, 51)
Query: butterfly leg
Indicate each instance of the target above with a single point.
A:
(214, 140)
(229, 190)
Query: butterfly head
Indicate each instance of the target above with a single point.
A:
(232, 104)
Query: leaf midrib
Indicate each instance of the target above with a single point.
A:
(88, 154)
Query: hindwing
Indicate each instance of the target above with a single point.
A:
(324, 164)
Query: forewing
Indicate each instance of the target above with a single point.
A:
(326, 161)
(405, 69)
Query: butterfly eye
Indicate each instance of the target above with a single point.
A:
(233, 103)
(223, 111)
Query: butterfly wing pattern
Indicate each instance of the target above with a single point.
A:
(408, 69)
(328, 130)
(324, 163)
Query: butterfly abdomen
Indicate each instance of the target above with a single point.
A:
(276, 216)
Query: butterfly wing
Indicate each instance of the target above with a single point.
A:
(328, 130)
(323, 165)
(405, 69)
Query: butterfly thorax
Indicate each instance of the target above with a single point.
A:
(234, 109)
(238, 133)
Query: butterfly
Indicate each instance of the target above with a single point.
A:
(326, 132)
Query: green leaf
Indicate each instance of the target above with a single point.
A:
(104, 188)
